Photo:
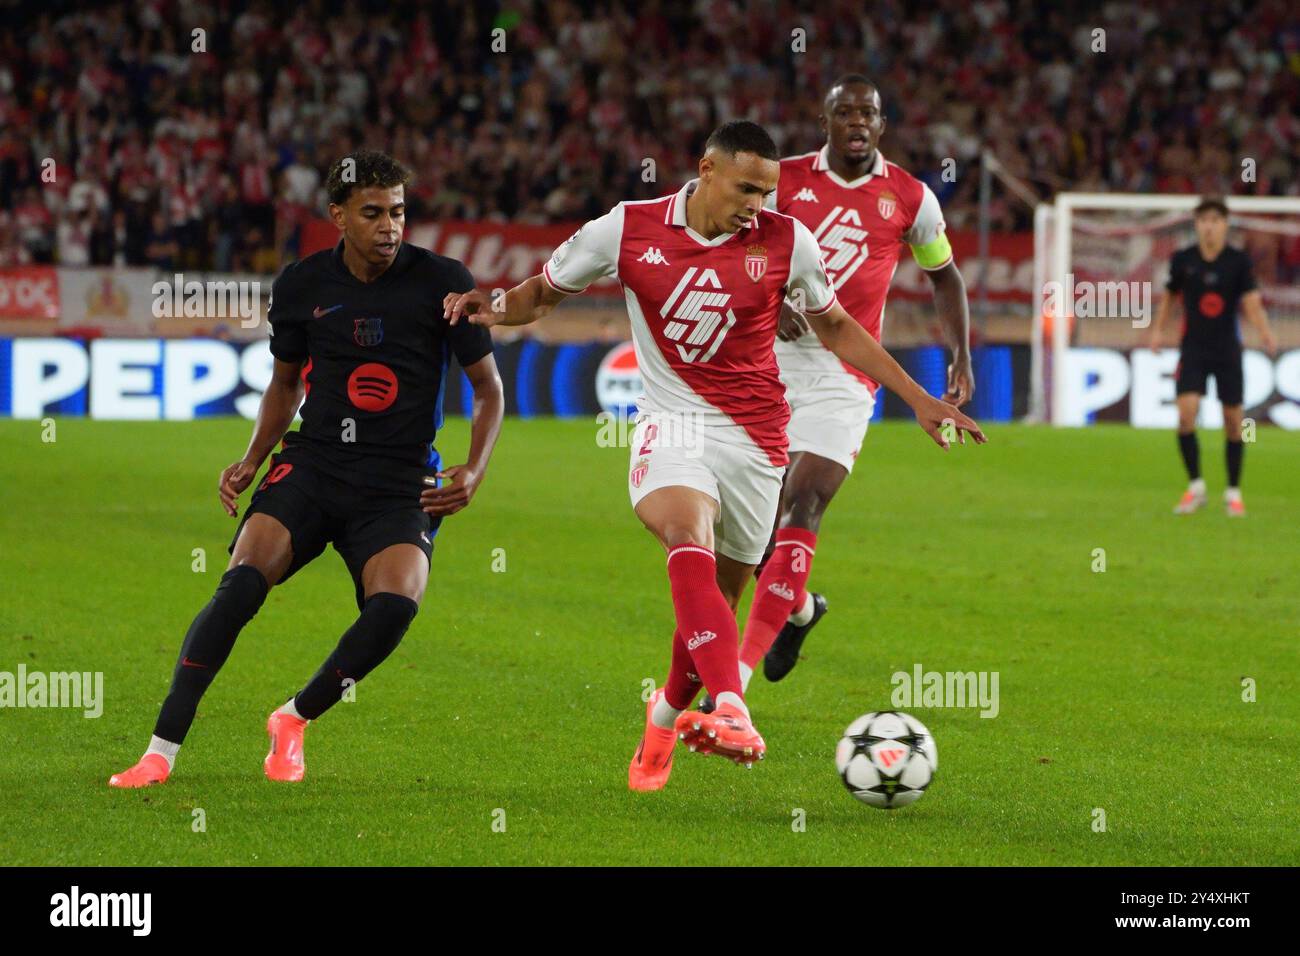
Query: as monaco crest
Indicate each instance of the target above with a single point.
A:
(367, 332)
(886, 203)
(639, 472)
(756, 262)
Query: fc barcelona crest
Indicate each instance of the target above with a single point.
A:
(756, 262)
(886, 203)
(367, 332)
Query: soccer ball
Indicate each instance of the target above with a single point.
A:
(886, 759)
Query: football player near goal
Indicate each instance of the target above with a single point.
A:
(1213, 279)
(359, 339)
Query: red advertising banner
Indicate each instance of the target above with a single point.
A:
(500, 255)
(29, 292)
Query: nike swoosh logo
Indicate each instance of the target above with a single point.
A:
(186, 662)
(318, 312)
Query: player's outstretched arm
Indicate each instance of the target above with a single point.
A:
(954, 314)
(851, 343)
(527, 302)
(275, 414)
(1252, 305)
(463, 480)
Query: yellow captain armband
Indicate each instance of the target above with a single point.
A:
(934, 253)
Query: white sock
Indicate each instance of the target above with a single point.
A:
(165, 749)
(1232, 494)
(290, 709)
(1197, 487)
(746, 672)
(664, 715)
(735, 700)
(802, 616)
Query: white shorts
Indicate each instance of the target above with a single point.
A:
(829, 414)
(721, 461)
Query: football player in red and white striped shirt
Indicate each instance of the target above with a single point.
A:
(705, 272)
(862, 210)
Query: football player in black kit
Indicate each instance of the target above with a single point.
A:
(359, 338)
(1213, 279)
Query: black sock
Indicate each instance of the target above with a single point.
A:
(372, 637)
(1191, 454)
(1235, 451)
(207, 644)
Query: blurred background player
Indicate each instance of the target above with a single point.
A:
(356, 329)
(705, 272)
(1213, 279)
(862, 210)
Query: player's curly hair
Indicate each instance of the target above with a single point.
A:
(362, 168)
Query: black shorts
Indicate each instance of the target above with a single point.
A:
(1195, 367)
(320, 504)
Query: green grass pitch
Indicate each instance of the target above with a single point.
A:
(520, 691)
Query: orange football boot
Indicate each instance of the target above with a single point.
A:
(151, 768)
(726, 731)
(653, 760)
(285, 760)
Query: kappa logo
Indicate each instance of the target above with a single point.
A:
(654, 257)
(843, 242)
(805, 195)
(697, 326)
(701, 638)
(782, 590)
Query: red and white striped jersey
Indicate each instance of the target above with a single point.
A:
(860, 227)
(704, 311)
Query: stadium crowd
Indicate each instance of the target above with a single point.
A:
(128, 137)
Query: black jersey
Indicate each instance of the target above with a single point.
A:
(375, 353)
(1211, 292)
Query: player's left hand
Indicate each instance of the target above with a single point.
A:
(961, 382)
(940, 420)
(459, 484)
(1270, 345)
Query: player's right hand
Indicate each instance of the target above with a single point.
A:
(474, 305)
(233, 481)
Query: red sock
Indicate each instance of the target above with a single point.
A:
(781, 589)
(683, 683)
(705, 620)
